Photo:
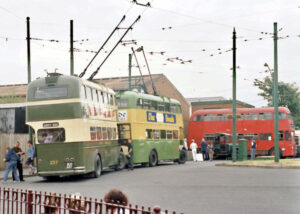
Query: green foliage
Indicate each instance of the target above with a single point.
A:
(288, 96)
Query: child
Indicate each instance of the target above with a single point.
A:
(30, 157)
(12, 158)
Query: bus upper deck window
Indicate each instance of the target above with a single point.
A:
(281, 116)
(178, 108)
(153, 105)
(160, 107)
(173, 108)
(139, 103)
(95, 95)
(146, 104)
(51, 135)
(82, 92)
(281, 135)
(89, 93)
(101, 97)
(105, 98)
(111, 99)
(167, 107)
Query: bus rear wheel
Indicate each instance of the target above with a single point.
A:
(272, 152)
(182, 157)
(97, 166)
(153, 160)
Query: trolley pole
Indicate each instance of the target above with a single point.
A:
(275, 95)
(71, 49)
(234, 97)
(28, 65)
(129, 70)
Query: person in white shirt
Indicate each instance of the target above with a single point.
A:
(193, 147)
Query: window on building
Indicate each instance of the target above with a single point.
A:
(265, 116)
(250, 116)
(149, 133)
(287, 136)
(169, 134)
(163, 134)
(265, 136)
(209, 117)
(156, 134)
(281, 116)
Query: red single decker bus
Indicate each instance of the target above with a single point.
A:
(252, 123)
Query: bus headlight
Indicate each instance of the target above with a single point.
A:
(283, 149)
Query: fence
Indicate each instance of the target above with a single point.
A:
(14, 201)
(9, 140)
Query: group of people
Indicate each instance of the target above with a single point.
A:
(207, 150)
(14, 159)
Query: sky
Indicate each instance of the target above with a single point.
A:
(195, 30)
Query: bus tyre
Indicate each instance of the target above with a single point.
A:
(97, 167)
(182, 157)
(153, 160)
(121, 161)
(272, 152)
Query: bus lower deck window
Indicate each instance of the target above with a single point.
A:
(169, 134)
(51, 135)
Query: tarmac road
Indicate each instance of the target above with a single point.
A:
(190, 188)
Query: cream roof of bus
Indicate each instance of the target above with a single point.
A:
(97, 86)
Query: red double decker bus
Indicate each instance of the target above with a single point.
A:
(252, 123)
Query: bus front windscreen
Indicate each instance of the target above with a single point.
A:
(50, 93)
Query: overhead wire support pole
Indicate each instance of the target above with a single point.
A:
(275, 95)
(115, 29)
(71, 49)
(234, 97)
(130, 28)
(129, 72)
(153, 86)
(133, 52)
(28, 65)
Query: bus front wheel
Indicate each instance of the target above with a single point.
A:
(97, 166)
(153, 160)
(272, 152)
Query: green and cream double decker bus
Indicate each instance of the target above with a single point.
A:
(155, 126)
(74, 125)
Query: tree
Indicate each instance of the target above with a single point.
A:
(288, 95)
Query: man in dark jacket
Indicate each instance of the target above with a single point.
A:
(204, 149)
(12, 158)
(19, 152)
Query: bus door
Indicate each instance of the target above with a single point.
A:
(124, 131)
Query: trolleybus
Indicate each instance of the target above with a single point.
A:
(74, 124)
(252, 123)
(154, 124)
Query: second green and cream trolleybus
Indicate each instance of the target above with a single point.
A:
(74, 125)
(153, 124)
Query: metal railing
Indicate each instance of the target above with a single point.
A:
(15, 201)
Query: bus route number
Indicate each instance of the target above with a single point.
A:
(122, 115)
(69, 165)
(53, 162)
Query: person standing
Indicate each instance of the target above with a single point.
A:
(210, 148)
(12, 158)
(19, 152)
(185, 144)
(253, 148)
(193, 147)
(204, 149)
(130, 154)
(30, 157)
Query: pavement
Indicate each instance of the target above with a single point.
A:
(25, 174)
(191, 188)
